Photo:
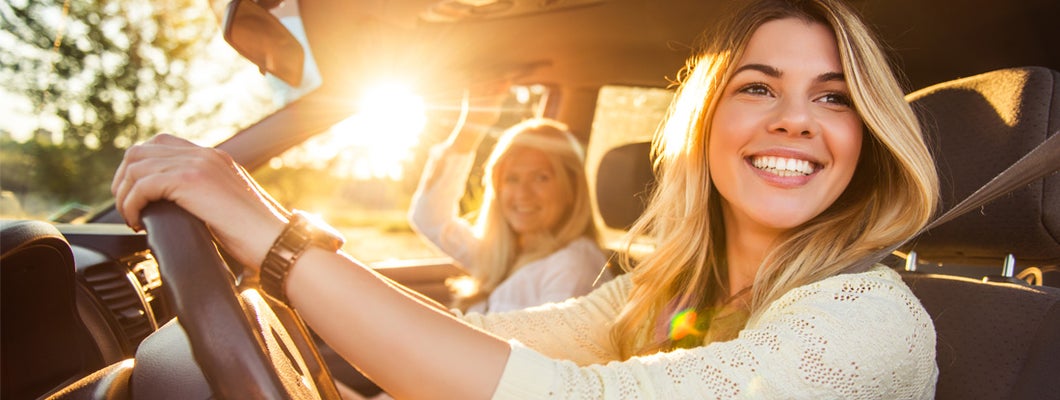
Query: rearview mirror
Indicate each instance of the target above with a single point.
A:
(259, 36)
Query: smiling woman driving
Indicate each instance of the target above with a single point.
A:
(788, 156)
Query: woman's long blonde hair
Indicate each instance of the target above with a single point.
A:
(497, 255)
(893, 193)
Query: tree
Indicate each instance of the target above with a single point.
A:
(102, 74)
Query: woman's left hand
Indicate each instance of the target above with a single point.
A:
(207, 183)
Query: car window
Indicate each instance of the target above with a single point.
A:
(82, 81)
(361, 173)
(631, 113)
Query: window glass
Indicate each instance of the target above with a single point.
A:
(630, 110)
(360, 175)
(81, 81)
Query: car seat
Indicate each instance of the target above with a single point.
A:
(45, 344)
(994, 339)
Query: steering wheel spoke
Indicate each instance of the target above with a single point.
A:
(246, 346)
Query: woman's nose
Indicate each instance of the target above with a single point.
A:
(519, 189)
(794, 118)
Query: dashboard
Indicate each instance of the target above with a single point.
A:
(122, 301)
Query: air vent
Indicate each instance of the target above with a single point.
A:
(120, 292)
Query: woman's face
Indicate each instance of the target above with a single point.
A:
(785, 137)
(532, 198)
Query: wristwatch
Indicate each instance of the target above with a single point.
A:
(302, 230)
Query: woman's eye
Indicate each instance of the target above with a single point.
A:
(838, 99)
(543, 178)
(756, 89)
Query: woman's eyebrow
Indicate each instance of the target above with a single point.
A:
(777, 73)
(831, 76)
(765, 69)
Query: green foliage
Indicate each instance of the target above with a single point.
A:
(103, 74)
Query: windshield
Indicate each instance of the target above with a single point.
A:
(84, 80)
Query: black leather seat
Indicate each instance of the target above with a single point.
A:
(993, 340)
(45, 345)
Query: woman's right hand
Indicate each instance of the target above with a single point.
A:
(207, 183)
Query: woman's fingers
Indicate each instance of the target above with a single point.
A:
(163, 168)
(204, 181)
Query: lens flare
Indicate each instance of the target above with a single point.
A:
(683, 324)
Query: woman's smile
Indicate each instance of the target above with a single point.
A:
(784, 168)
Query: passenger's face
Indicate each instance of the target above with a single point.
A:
(785, 137)
(532, 198)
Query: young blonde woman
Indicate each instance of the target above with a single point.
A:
(533, 240)
(788, 156)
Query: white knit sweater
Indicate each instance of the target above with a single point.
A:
(852, 336)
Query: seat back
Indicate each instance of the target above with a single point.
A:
(44, 343)
(993, 340)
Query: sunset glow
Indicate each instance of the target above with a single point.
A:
(374, 142)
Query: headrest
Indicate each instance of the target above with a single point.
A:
(623, 186)
(977, 127)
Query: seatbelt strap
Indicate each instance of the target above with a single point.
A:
(1043, 160)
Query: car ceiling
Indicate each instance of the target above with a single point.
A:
(594, 42)
(579, 45)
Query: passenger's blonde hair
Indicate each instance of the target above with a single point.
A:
(892, 194)
(497, 255)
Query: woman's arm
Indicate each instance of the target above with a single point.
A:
(435, 208)
(392, 336)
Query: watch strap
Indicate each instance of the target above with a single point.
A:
(302, 230)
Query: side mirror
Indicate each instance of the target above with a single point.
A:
(259, 36)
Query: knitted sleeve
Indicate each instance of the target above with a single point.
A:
(577, 329)
(852, 336)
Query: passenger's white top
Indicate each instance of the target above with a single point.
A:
(434, 213)
(852, 336)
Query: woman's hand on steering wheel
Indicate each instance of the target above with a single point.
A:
(208, 184)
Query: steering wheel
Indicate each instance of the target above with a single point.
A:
(246, 345)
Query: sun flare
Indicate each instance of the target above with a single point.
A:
(375, 141)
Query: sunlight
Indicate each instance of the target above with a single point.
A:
(373, 143)
(389, 123)
(462, 286)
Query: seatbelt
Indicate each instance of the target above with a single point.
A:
(1043, 160)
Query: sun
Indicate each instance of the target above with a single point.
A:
(373, 143)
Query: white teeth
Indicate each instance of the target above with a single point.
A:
(783, 166)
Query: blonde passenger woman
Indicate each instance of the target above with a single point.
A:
(533, 240)
(787, 158)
